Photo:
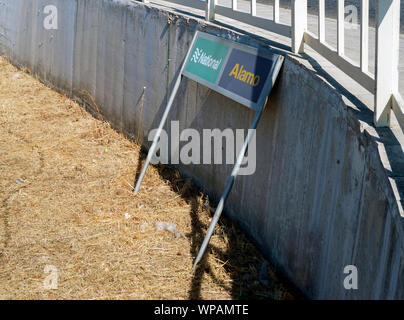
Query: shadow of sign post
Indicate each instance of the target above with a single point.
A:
(242, 73)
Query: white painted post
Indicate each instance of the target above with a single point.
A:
(365, 35)
(387, 54)
(341, 27)
(234, 4)
(210, 10)
(321, 21)
(276, 11)
(299, 25)
(253, 8)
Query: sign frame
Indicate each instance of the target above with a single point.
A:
(261, 52)
(259, 107)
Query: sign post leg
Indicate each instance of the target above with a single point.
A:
(158, 133)
(229, 186)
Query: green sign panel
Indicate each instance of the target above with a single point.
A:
(242, 73)
(207, 59)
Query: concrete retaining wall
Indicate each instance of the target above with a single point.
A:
(320, 198)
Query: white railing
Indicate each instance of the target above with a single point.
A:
(383, 84)
(337, 56)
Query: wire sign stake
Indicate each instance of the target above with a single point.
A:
(242, 73)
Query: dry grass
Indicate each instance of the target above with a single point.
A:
(65, 186)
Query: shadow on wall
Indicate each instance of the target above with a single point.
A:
(392, 146)
(252, 276)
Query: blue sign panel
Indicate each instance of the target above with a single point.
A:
(245, 74)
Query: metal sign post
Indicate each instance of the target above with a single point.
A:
(229, 186)
(158, 133)
(242, 73)
(162, 121)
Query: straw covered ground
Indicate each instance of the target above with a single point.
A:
(67, 210)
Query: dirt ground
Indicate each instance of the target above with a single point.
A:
(69, 220)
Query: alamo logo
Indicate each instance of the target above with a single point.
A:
(202, 58)
(243, 75)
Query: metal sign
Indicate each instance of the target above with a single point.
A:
(242, 73)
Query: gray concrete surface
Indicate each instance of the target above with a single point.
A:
(321, 197)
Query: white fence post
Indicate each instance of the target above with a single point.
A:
(210, 10)
(341, 28)
(234, 4)
(253, 7)
(321, 21)
(299, 25)
(364, 60)
(387, 53)
(276, 11)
